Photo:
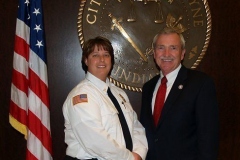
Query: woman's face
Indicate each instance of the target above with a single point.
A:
(99, 63)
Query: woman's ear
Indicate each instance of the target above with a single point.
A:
(86, 62)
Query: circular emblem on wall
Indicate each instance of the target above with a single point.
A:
(131, 25)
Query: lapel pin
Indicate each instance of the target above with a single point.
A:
(122, 98)
(180, 86)
(124, 101)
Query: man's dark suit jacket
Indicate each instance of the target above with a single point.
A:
(188, 127)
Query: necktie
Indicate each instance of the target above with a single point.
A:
(159, 102)
(125, 129)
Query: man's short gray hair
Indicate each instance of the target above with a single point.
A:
(168, 31)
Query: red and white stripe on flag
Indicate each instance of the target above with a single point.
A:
(29, 105)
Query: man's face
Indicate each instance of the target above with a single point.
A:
(168, 52)
(99, 63)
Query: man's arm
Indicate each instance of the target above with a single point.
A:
(207, 121)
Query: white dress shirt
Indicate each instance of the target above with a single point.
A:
(170, 80)
(92, 126)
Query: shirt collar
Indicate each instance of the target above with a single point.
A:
(103, 86)
(172, 75)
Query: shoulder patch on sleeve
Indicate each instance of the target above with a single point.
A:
(79, 99)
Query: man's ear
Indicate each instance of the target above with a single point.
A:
(183, 54)
(153, 53)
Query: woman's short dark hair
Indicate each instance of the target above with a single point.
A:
(89, 46)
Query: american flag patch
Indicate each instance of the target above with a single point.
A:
(79, 99)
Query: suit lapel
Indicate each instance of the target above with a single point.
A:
(174, 93)
(150, 89)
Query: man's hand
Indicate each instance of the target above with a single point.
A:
(136, 156)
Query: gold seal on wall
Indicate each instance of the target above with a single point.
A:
(131, 25)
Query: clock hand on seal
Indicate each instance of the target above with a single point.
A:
(124, 33)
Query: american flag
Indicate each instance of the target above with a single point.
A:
(29, 105)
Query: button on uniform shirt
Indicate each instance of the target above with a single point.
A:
(92, 126)
(170, 80)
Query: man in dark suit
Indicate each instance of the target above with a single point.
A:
(187, 128)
